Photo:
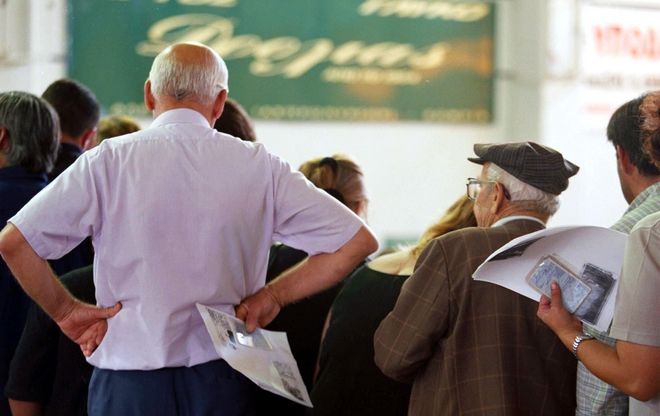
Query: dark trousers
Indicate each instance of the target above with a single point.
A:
(212, 388)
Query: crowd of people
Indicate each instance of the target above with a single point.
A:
(112, 234)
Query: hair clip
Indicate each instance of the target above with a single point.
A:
(330, 161)
(336, 194)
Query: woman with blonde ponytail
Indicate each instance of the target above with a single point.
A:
(341, 177)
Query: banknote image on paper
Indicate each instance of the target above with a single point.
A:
(288, 378)
(601, 283)
(550, 269)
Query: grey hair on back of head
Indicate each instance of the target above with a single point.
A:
(33, 129)
(522, 194)
(198, 81)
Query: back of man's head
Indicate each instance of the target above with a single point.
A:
(188, 72)
(31, 127)
(624, 130)
(76, 105)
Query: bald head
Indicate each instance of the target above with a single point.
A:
(188, 72)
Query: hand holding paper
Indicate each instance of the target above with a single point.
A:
(262, 356)
(258, 310)
(552, 312)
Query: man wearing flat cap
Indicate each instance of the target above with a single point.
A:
(471, 347)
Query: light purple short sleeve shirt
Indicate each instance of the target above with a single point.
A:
(178, 214)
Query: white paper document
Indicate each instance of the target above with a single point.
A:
(586, 261)
(262, 356)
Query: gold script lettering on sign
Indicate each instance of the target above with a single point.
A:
(425, 9)
(287, 56)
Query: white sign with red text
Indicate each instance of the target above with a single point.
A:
(619, 57)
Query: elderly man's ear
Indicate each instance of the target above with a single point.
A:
(149, 100)
(219, 104)
(499, 196)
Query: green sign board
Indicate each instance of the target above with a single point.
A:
(300, 59)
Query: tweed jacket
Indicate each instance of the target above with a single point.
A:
(470, 347)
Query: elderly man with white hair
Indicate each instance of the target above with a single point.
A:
(473, 347)
(178, 214)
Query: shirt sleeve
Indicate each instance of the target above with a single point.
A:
(59, 217)
(637, 305)
(306, 217)
(404, 341)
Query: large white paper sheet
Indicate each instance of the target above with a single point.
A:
(262, 356)
(586, 249)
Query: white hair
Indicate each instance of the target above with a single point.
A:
(522, 194)
(199, 81)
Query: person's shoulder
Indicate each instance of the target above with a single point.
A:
(111, 144)
(645, 233)
(469, 239)
(455, 241)
(396, 263)
(233, 143)
(651, 221)
(464, 234)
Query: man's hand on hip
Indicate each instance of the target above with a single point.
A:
(87, 324)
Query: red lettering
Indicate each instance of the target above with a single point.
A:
(634, 42)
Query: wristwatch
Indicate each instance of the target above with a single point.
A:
(578, 340)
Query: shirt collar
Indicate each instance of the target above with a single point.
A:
(180, 115)
(505, 220)
(644, 195)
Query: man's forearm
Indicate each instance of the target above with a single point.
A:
(322, 271)
(34, 274)
(310, 276)
(632, 368)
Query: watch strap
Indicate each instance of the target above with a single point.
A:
(578, 340)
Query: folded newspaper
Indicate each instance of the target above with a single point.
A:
(262, 356)
(584, 260)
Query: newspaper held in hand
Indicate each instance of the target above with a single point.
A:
(262, 356)
(591, 259)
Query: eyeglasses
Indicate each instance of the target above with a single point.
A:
(474, 185)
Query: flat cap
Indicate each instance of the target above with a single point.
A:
(535, 164)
